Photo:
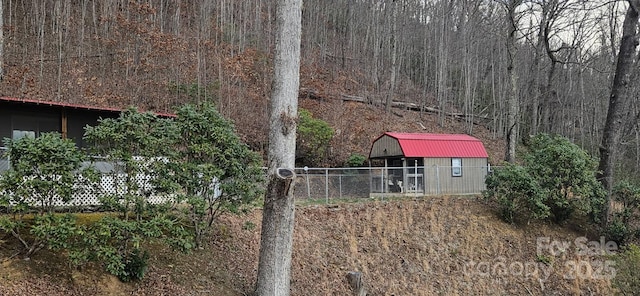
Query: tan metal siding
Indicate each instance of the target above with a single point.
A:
(438, 178)
(385, 142)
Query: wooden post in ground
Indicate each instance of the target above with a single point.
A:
(355, 281)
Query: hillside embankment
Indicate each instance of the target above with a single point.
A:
(425, 246)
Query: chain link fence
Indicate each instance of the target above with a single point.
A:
(318, 183)
(332, 183)
(329, 183)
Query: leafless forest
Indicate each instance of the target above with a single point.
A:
(518, 67)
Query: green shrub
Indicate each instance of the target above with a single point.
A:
(567, 173)
(133, 143)
(618, 231)
(627, 268)
(556, 180)
(355, 160)
(313, 138)
(210, 168)
(517, 194)
(136, 144)
(45, 172)
(119, 245)
(195, 160)
(545, 259)
(624, 217)
(135, 266)
(248, 225)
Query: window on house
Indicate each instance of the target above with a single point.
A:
(33, 125)
(19, 134)
(456, 167)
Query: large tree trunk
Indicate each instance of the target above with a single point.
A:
(618, 101)
(394, 55)
(276, 242)
(512, 99)
(1, 42)
(534, 79)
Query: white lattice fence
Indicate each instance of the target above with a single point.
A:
(86, 194)
(115, 184)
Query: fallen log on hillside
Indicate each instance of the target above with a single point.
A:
(354, 99)
(476, 119)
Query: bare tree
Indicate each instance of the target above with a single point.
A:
(512, 99)
(276, 242)
(442, 61)
(1, 42)
(470, 62)
(393, 43)
(619, 99)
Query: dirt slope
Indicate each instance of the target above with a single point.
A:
(430, 246)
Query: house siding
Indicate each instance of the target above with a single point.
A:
(5, 124)
(36, 118)
(438, 177)
(45, 117)
(385, 142)
(77, 120)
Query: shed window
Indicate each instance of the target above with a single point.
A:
(456, 167)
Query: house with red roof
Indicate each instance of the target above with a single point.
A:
(422, 163)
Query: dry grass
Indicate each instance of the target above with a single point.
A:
(429, 246)
(425, 247)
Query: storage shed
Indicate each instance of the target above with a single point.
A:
(420, 163)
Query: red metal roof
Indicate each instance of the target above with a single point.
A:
(439, 145)
(72, 106)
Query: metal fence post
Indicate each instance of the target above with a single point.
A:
(415, 173)
(306, 175)
(437, 179)
(326, 184)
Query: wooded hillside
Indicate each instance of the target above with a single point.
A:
(448, 58)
